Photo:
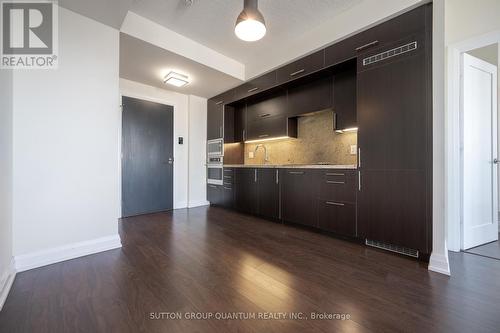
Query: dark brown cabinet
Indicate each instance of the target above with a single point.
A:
(310, 96)
(214, 194)
(271, 127)
(298, 194)
(302, 67)
(255, 86)
(344, 99)
(267, 105)
(246, 190)
(215, 116)
(268, 192)
(395, 141)
(228, 188)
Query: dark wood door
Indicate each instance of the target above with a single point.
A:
(302, 67)
(344, 99)
(338, 217)
(271, 127)
(240, 121)
(310, 96)
(299, 204)
(215, 116)
(395, 137)
(147, 157)
(246, 190)
(268, 193)
(267, 105)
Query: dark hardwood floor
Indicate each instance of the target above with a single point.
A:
(490, 250)
(212, 260)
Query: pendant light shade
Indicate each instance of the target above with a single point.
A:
(250, 25)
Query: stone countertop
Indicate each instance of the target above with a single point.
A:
(292, 166)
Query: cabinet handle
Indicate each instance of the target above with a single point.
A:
(359, 157)
(331, 203)
(277, 177)
(296, 172)
(300, 71)
(263, 136)
(335, 174)
(253, 89)
(265, 115)
(244, 135)
(334, 182)
(359, 181)
(227, 188)
(212, 186)
(219, 102)
(220, 131)
(228, 177)
(228, 170)
(255, 175)
(335, 121)
(361, 48)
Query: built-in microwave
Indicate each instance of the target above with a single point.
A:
(215, 172)
(215, 147)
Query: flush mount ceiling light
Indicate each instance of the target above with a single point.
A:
(176, 79)
(250, 25)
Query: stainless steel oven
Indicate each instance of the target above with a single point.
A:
(215, 147)
(215, 165)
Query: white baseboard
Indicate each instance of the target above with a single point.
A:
(47, 257)
(194, 204)
(6, 281)
(439, 263)
(181, 205)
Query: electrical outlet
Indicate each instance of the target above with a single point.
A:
(354, 149)
(251, 154)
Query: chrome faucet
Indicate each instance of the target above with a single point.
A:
(266, 156)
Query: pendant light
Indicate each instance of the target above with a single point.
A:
(250, 25)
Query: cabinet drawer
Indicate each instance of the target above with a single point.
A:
(302, 67)
(338, 217)
(256, 85)
(338, 185)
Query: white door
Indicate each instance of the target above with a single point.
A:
(480, 168)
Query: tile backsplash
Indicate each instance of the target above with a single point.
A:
(317, 142)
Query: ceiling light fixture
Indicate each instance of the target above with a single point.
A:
(250, 25)
(176, 79)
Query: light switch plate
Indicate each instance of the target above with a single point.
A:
(354, 149)
(251, 154)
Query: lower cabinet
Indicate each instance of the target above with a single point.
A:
(337, 217)
(269, 193)
(215, 194)
(246, 191)
(298, 194)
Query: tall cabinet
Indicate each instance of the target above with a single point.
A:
(394, 113)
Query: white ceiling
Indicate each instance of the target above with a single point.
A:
(148, 64)
(109, 12)
(211, 22)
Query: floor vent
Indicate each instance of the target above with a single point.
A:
(393, 248)
(389, 54)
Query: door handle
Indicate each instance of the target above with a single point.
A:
(496, 161)
(170, 160)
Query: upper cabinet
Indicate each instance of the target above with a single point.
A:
(215, 115)
(310, 96)
(301, 67)
(344, 99)
(255, 86)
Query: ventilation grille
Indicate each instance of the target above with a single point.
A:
(393, 248)
(389, 54)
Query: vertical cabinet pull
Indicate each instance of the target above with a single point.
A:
(244, 135)
(277, 176)
(359, 157)
(220, 131)
(255, 175)
(359, 181)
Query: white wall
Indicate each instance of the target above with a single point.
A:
(5, 181)
(67, 142)
(197, 151)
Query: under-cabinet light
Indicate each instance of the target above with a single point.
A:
(352, 129)
(268, 139)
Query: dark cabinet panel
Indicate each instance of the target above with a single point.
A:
(299, 204)
(392, 208)
(256, 85)
(214, 194)
(338, 185)
(344, 99)
(246, 190)
(345, 49)
(310, 96)
(267, 105)
(271, 127)
(227, 196)
(215, 111)
(393, 113)
(229, 124)
(338, 217)
(302, 67)
(267, 180)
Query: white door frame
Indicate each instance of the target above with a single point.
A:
(453, 186)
